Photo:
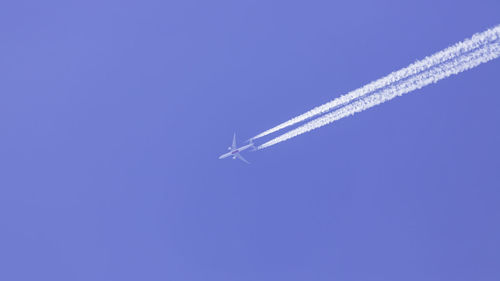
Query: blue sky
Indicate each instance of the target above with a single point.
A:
(113, 114)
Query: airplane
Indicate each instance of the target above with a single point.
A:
(235, 151)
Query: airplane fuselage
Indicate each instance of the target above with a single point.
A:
(233, 152)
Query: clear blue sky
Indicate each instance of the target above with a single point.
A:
(113, 114)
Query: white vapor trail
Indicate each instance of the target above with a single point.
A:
(432, 75)
(476, 41)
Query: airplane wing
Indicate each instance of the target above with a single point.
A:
(233, 146)
(241, 158)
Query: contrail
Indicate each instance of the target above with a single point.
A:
(476, 41)
(433, 75)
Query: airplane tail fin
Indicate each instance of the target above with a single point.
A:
(250, 141)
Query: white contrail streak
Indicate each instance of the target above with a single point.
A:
(433, 75)
(476, 41)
